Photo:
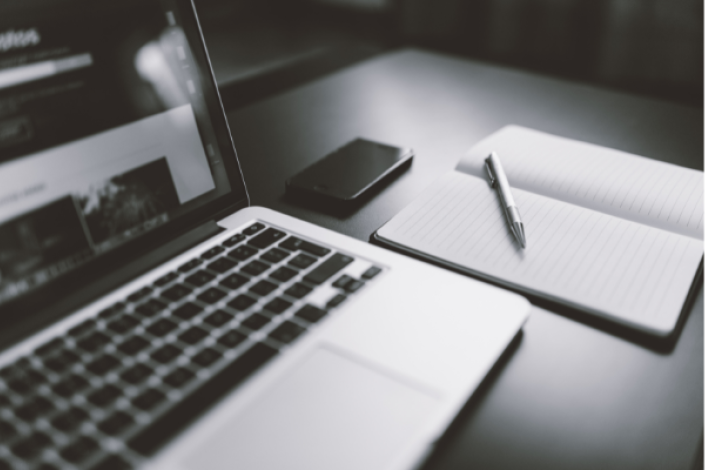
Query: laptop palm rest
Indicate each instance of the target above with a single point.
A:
(354, 416)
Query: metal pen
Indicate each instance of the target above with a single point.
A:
(499, 180)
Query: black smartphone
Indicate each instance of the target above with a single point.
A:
(349, 172)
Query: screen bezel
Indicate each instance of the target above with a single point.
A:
(42, 298)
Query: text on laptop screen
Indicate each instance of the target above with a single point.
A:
(104, 133)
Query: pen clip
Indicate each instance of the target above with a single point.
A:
(488, 168)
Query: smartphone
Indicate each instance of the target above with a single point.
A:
(347, 173)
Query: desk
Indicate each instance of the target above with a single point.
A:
(569, 395)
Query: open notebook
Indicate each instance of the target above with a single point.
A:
(607, 232)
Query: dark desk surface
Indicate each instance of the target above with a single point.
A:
(570, 395)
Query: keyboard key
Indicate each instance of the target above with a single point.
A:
(255, 321)
(206, 357)
(49, 347)
(293, 244)
(354, 286)
(166, 353)
(62, 360)
(222, 265)
(328, 268)
(252, 229)
(79, 450)
(263, 288)
(211, 296)
(310, 313)
(266, 238)
(255, 267)
(34, 408)
(104, 396)
(218, 318)
(161, 328)
(31, 446)
(166, 279)
(69, 419)
(213, 252)
(149, 399)
(26, 381)
(133, 345)
(283, 274)
(336, 300)
(314, 249)
(116, 423)
(371, 272)
(179, 377)
(302, 261)
(20, 386)
(9, 371)
(136, 374)
(103, 364)
(287, 332)
(151, 308)
(7, 431)
(32, 376)
(187, 311)
(298, 290)
(160, 431)
(140, 294)
(234, 281)
(123, 324)
(112, 310)
(191, 265)
(278, 305)
(93, 342)
(234, 240)
(342, 281)
(193, 335)
(241, 302)
(199, 278)
(82, 328)
(18, 367)
(112, 462)
(44, 466)
(275, 255)
(242, 252)
(176, 292)
(232, 338)
(70, 386)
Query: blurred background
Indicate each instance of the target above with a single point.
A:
(647, 47)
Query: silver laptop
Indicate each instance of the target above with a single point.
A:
(151, 319)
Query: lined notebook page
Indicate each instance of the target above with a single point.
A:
(634, 273)
(618, 183)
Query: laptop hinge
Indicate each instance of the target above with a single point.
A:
(19, 330)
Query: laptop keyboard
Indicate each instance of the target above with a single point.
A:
(115, 388)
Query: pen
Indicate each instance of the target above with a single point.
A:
(499, 180)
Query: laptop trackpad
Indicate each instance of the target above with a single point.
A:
(329, 412)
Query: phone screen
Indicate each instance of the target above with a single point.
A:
(351, 170)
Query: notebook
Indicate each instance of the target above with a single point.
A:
(152, 318)
(609, 233)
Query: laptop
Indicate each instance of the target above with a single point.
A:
(152, 319)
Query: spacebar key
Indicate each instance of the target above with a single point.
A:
(151, 438)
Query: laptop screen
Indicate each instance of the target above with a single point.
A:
(106, 132)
